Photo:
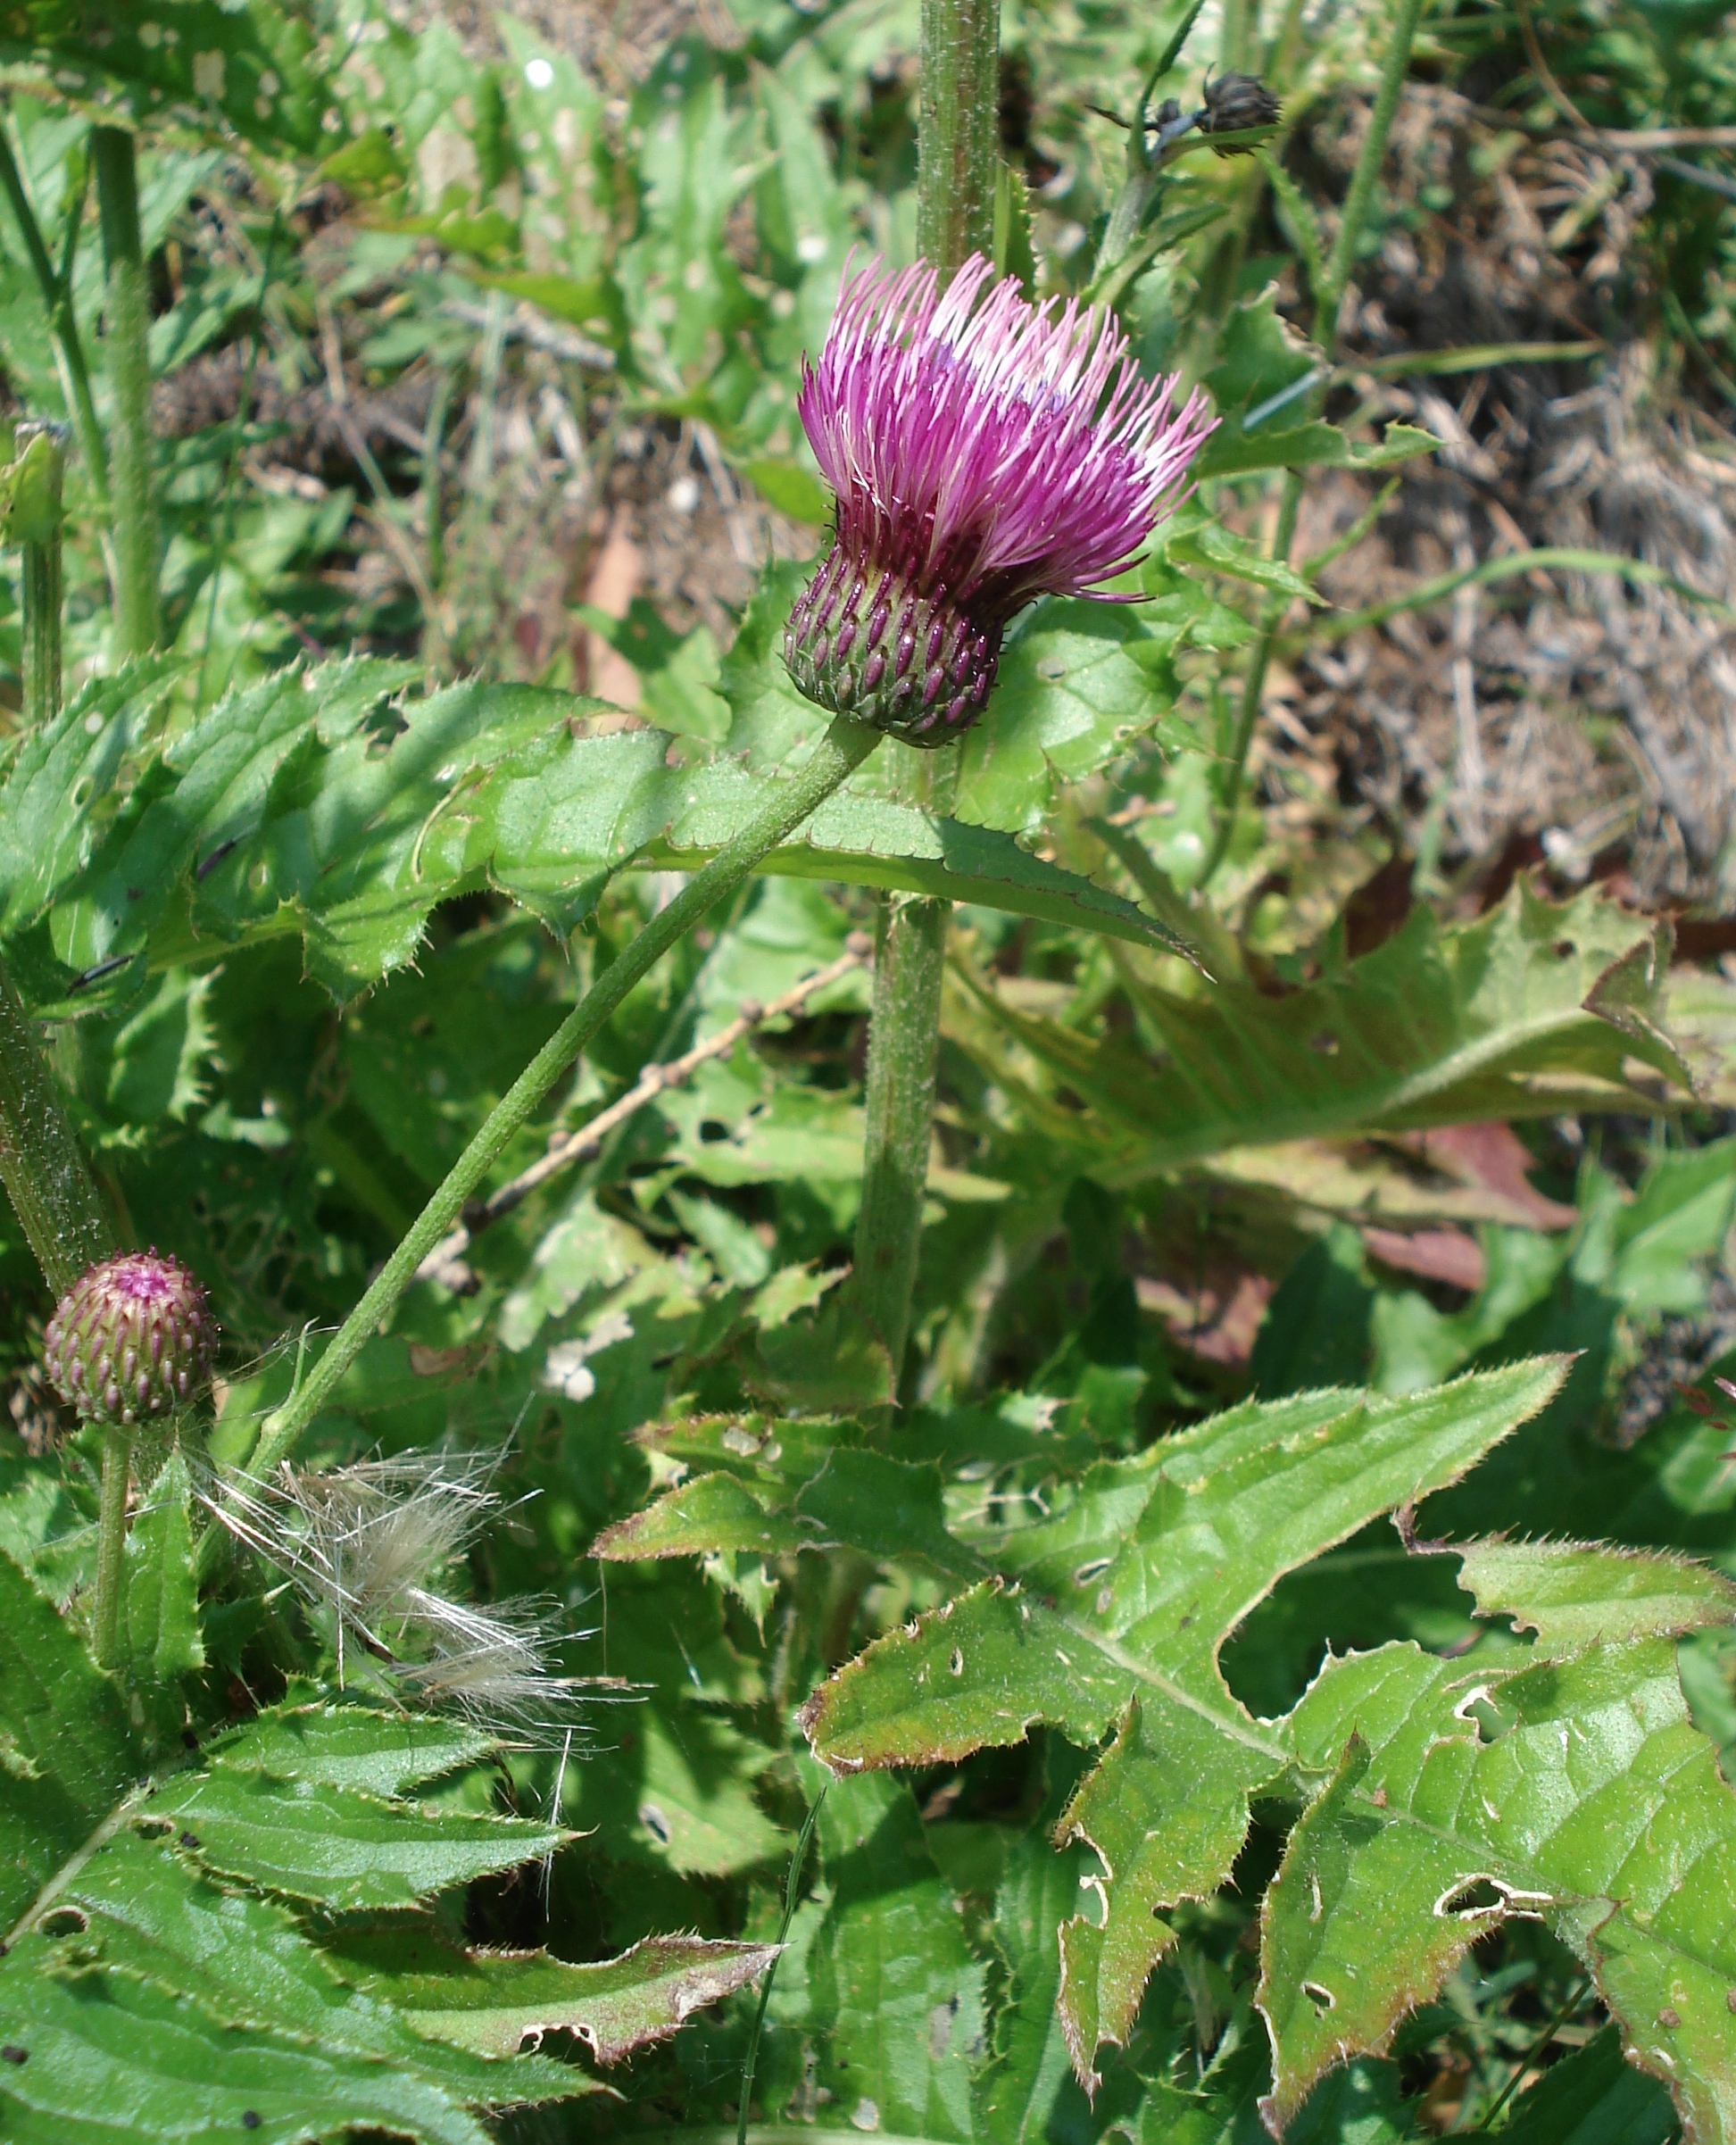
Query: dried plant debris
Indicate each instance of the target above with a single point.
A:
(1569, 719)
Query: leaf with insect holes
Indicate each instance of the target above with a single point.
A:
(208, 65)
(1110, 1613)
(335, 1847)
(1566, 1781)
(1571, 1785)
(489, 2001)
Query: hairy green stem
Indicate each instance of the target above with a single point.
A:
(1363, 179)
(41, 1162)
(959, 130)
(56, 292)
(1329, 295)
(909, 964)
(843, 749)
(126, 331)
(111, 1545)
(960, 77)
(41, 451)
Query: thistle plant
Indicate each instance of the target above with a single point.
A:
(985, 452)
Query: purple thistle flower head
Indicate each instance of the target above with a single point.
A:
(985, 452)
(131, 1339)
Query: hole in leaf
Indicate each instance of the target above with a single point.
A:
(1323, 1999)
(1094, 1569)
(957, 1663)
(154, 1828)
(655, 1822)
(66, 1921)
(1477, 1897)
(1564, 949)
(713, 1129)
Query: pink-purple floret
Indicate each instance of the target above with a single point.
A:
(986, 450)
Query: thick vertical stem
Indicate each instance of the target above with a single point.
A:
(1328, 298)
(36, 516)
(41, 1164)
(956, 147)
(55, 289)
(1239, 17)
(127, 321)
(909, 964)
(111, 1545)
(959, 130)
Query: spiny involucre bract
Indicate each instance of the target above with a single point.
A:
(131, 1339)
(985, 452)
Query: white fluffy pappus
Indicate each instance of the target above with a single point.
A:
(367, 1546)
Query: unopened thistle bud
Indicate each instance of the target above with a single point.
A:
(131, 1339)
(985, 452)
(1238, 103)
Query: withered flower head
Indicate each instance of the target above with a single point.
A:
(1234, 104)
(985, 452)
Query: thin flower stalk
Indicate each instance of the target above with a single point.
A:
(844, 748)
(1328, 299)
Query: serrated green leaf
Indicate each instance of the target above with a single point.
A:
(1199, 541)
(318, 802)
(1578, 1594)
(111, 2057)
(349, 1747)
(147, 1914)
(337, 1847)
(1534, 1008)
(888, 1509)
(1590, 1797)
(489, 2001)
(1106, 1965)
(69, 1751)
(1232, 453)
(56, 801)
(714, 1512)
(1149, 1563)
